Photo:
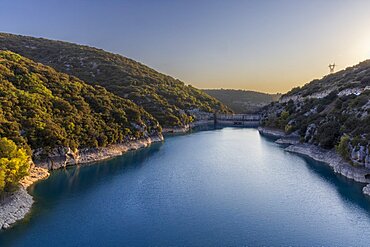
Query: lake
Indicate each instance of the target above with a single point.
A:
(225, 187)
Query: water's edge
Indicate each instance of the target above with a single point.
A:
(328, 157)
(19, 203)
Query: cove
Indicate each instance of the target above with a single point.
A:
(222, 187)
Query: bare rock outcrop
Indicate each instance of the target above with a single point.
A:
(17, 204)
(62, 157)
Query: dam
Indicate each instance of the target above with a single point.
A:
(242, 120)
(228, 120)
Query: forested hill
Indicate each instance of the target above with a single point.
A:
(43, 108)
(242, 101)
(169, 100)
(331, 112)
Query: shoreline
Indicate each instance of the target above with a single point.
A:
(329, 157)
(63, 157)
(18, 204)
(272, 133)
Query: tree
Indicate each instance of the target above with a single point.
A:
(328, 134)
(14, 164)
(342, 147)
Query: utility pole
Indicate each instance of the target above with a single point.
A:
(332, 67)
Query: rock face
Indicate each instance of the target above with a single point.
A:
(16, 205)
(310, 133)
(330, 157)
(287, 141)
(360, 154)
(63, 157)
(274, 133)
(176, 130)
(366, 190)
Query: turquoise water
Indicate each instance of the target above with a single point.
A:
(212, 188)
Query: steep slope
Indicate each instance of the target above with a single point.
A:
(350, 80)
(242, 101)
(169, 100)
(333, 111)
(41, 108)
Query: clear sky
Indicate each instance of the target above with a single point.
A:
(268, 46)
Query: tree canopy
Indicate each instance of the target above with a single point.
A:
(168, 99)
(14, 164)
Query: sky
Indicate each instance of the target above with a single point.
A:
(263, 45)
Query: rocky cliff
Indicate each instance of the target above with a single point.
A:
(332, 112)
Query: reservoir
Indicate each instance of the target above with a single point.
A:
(225, 187)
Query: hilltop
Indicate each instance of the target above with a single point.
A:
(170, 101)
(242, 101)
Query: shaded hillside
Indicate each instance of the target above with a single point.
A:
(169, 100)
(333, 111)
(242, 101)
(42, 108)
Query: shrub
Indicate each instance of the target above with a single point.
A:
(328, 133)
(342, 147)
(14, 164)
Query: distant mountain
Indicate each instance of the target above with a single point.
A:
(169, 100)
(41, 108)
(242, 101)
(332, 111)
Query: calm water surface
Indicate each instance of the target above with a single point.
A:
(213, 188)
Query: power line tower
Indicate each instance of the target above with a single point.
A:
(332, 67)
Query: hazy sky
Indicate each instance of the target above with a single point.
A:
(268, 46)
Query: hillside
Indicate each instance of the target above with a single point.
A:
(169, 100)
(44, 109)
(330, 112)
(242, 101)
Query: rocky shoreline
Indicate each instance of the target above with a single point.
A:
(176, 130)
(329, 157)
(63, 157)
(17, 204)
(272, 133)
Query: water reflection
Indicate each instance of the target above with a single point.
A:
(228, 187)
(82, 178)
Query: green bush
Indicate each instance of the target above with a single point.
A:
(328, 134)
(14, 164)
(342, 147)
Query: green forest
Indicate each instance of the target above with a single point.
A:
(242, 101)
(169, 100)
(43, 108)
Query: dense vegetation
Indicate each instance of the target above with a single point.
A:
(42, 108)
(14, 165)
(333, 111)
(169, 100)
(242, 101)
